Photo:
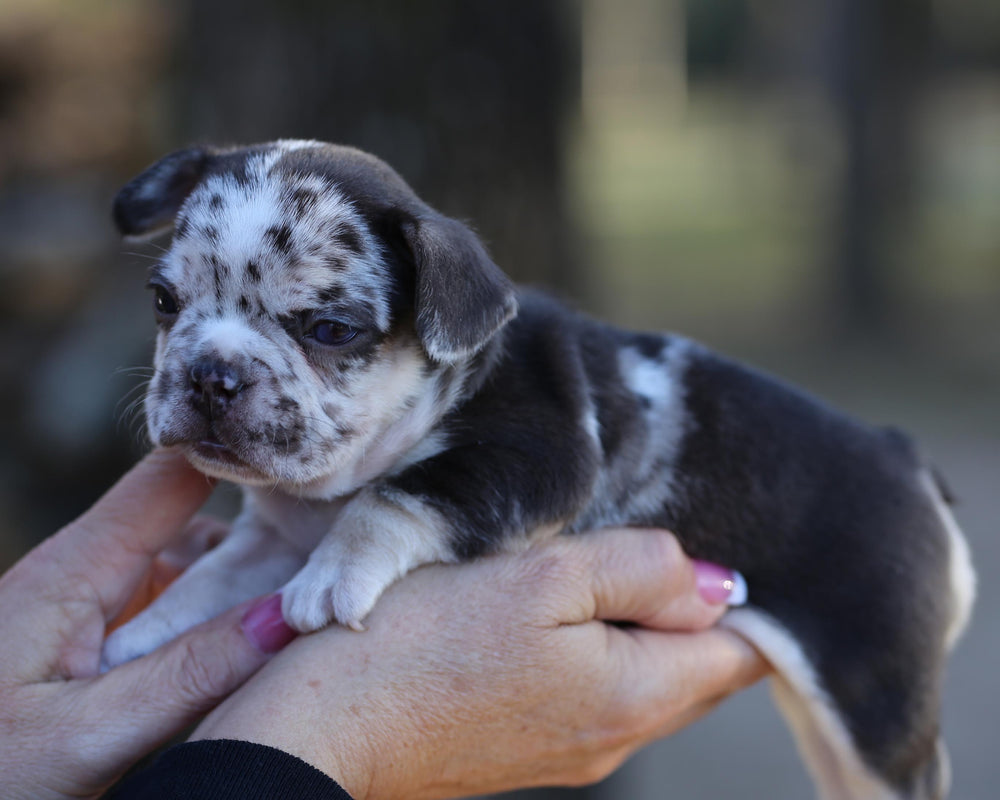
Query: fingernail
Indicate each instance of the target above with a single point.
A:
(718, 585)
(264, 626)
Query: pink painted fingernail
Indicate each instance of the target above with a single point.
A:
(719, 585)
(264, 626)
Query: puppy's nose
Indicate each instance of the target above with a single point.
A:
(214, 385)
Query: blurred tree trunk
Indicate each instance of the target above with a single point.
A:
(877, 51)
(466, 98)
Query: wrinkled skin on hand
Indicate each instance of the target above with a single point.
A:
(505, 673)
(65, 729)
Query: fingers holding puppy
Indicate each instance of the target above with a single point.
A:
(641, 576)
(528, 633)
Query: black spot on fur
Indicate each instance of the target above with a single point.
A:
(253, 272)
(348, 238)
(216, 202)
(182, 229)
(331, 295)
(211, 233)
(335, 263)
(304, 200)
(239, 172)
(649, 345)
(345, 432)
(244, 303)
(293, 438)
(291, 323)
(218, 275)
(280, 237)
(286, 438)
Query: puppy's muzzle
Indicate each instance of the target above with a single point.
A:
(213, 386)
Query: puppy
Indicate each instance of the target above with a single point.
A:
(388, 399)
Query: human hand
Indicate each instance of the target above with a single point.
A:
(503, 673)
(66, 730)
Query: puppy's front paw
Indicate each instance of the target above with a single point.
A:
(321, 594)
(379, 536)
(133, 640)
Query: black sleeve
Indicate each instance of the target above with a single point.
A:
(224, 769)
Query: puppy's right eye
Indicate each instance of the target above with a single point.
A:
(164, 304)
(332, 333)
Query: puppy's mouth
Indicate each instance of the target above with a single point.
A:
(214, 457)
(212, 449)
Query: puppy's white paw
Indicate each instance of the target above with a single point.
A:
(321, 594)
(378, 537)
(133, 640)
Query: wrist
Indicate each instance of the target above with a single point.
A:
(343, 758)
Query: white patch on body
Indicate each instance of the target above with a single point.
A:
(960, 570)
(590, 424)
(661, 382)
(645, 469)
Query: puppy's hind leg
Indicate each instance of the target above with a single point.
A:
(838, 769)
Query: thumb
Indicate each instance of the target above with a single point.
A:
(642, 576)
(670, 679)
(155, 697)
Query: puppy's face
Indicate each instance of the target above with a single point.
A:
(302, 321)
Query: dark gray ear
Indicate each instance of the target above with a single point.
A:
(149, 202)
(462, 297)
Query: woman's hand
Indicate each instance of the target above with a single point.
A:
(65, 730)
(470, 679)
(513, 671)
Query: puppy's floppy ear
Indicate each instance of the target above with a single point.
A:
(462, 297)
(149, 202)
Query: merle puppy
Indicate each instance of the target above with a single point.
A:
(388, 398)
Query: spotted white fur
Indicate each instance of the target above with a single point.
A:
(240, 214)
(394, 410)
(658, 383)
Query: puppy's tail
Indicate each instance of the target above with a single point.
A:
(936, 780)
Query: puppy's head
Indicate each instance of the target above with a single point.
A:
(308, 303)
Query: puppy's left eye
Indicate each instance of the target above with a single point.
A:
(165, 304)
(332, 332)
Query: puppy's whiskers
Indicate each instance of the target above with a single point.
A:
(128, 410)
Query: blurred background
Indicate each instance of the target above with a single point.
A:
(812, 185)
